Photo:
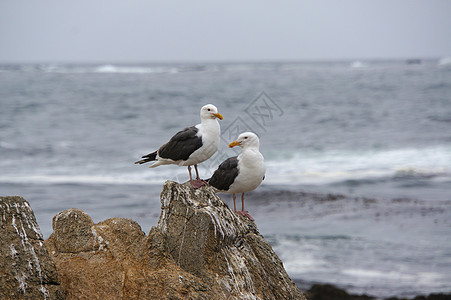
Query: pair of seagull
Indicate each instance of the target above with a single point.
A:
(195, 144)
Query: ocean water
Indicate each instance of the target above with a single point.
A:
(358, 155)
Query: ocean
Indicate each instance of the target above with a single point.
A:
(358, 154)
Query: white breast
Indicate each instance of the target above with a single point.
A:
(251, 172)
(210, 132)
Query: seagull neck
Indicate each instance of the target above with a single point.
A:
(208, 121)
(250, 156)
(209, 126)
(250, 149)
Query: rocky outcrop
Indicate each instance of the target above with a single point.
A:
(26, 269)
(198, 250)
(205, 238)
(114, 259)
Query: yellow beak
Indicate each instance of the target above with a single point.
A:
(218, 115)
(233, 144)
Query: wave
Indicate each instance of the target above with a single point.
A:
(445, 61)
(332, 167)
(284, 167)
(108, 68)
(431, 165)
(8, 146)
(134, 70)
(96, 175)
(358, 64)
(168, 68)
(129, 179)
(149, 69)
(372, 274)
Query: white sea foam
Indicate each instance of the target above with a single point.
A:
(8, 146)
(290, 168)
(81, 179)
(134, 69)
(335, 166)
(445, 61)
(146, 68)
(358, 64)
(108, 68)
(366, 274)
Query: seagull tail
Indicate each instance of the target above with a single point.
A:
(149, 157)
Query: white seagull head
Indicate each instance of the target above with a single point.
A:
(245, 140)
(209, 111)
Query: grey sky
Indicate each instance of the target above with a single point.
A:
(152, 31)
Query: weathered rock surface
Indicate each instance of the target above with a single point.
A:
(205, 238)
(198, 250)
(113, 259)
(26, 269)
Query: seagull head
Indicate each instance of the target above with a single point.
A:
(209, 111)
(246, 139)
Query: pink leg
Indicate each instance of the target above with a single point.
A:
(190, 177)
(197, 172)
(195, 183)
(234, 203)
(243, 212)
(201, 182)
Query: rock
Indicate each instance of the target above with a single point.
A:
(72, 231)
(112, 261)
(198, 250)
(434, 297)
(205, 238)
(328, 291)
(26, 269)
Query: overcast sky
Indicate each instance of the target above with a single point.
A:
(154, 31)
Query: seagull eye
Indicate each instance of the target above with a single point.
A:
(208, 109)
(245, 137)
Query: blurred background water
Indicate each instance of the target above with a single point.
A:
(358, 155)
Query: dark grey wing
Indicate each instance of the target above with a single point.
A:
(225, 175)
(181, 145)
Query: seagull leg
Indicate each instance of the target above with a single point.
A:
(190, 176)
(201, 181)
(195, 183)
(234, 203)
(243, 212)
(197, 172)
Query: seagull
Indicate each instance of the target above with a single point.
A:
(191, 145)
(242, 173)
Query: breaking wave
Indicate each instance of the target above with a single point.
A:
(446, 61)
(343, 166)
(330, 167)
